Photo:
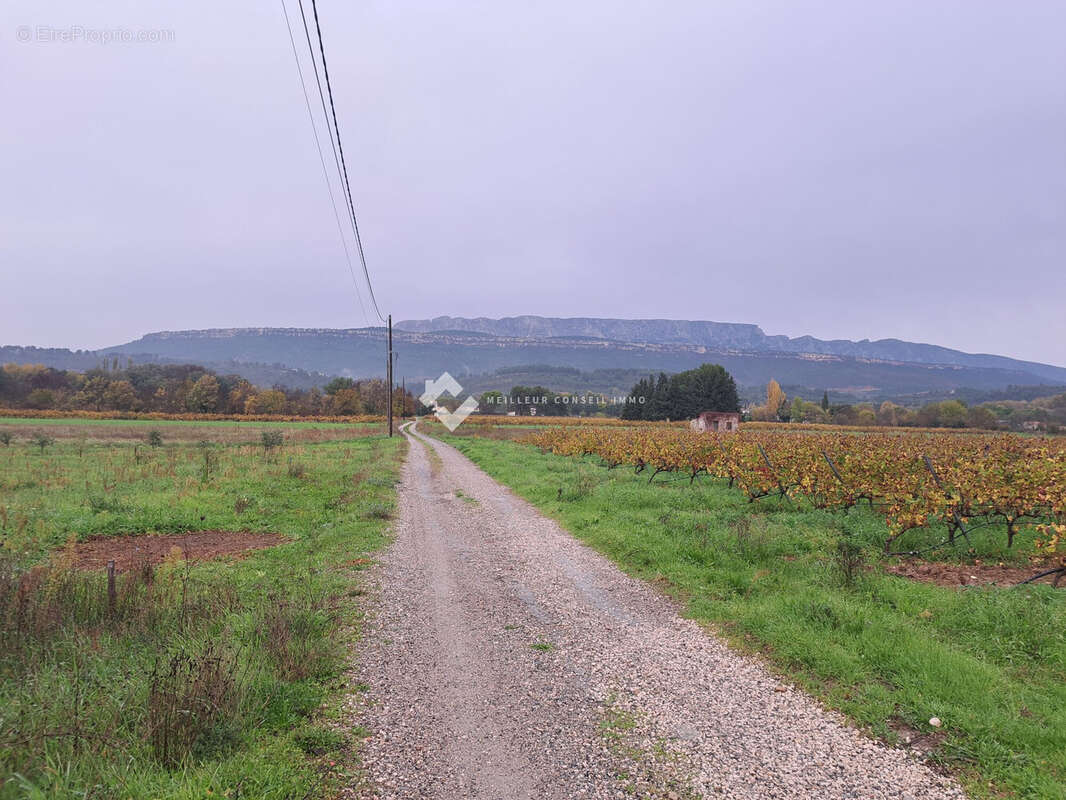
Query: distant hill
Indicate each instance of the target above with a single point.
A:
(55, 357)
(596, 355)
(728, 335)
(361, 352)
(265, 375)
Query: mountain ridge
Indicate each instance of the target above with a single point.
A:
(728, 334)
(359, 352)
(886, 369)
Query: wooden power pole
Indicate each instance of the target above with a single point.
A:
(389, 371)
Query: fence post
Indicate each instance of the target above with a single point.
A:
(111, 593)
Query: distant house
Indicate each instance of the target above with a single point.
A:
(716, 421)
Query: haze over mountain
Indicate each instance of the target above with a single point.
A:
(740, 336)
(572, 354)
(839, 169)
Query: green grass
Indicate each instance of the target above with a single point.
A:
(84, 687)
(888, 652)
(465, 497)
(162, 423)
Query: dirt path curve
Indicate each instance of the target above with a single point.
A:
(506, 660)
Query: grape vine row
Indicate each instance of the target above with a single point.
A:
(913, 480)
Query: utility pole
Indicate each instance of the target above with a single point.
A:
(389, 371)
(403, 397)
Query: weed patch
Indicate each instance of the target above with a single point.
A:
(181, 674)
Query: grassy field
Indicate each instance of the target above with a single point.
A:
(194, 679)
(892, 654)
(25, 430)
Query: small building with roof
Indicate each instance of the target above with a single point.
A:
(716, 422)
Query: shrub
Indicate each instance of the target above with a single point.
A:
(316, 741)
(752, 539)
(99, 503)
(297, 639)
(272, 439)
(42, 440)
(210, 460)
(586, 484)
(5, 438)
(583, 487)
(41, 399)
(849, 561)
(155, 438)
(379, 511)
(190, 695)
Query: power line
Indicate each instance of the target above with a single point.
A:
(322, 160)
(338, 155)
(325, 112)
(340, 149)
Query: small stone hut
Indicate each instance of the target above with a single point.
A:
(716, 422)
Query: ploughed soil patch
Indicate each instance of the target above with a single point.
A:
(955, 575)
(132, 552)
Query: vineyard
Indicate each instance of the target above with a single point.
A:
(500, 421)
(913, 481)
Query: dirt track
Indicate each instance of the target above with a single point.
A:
(506, 660)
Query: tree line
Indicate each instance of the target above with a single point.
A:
(679, 396)
(710, 387)
(683, 395)
(1040, 413)
(186, 388)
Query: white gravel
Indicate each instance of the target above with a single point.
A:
(623, 698)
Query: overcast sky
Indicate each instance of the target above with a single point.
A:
(840, 169)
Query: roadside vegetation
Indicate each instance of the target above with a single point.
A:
(683, 395)
(158, 430)
(183, 677)
(972, 678)
(184, 389)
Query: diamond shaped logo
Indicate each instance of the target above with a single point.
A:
(446, 384)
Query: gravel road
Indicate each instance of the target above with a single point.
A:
(506, 660)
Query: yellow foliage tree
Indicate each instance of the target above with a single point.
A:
(775, 398)
(272, 401)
